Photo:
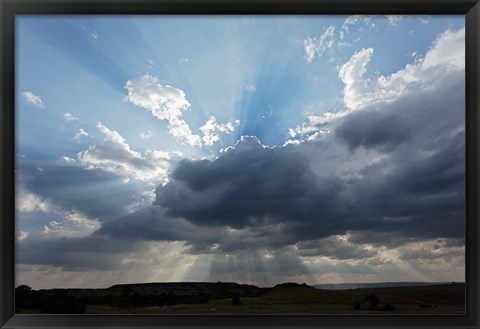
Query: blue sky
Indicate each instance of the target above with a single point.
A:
(116, 115)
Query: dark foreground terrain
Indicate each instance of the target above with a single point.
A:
(233, 298)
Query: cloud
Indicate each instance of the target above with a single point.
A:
(169, 103)
(81, 133)
(393, 167)
(445, 57)
(394, 19)
(165, 103)
(211, 127)
(68, 160)
(425, 19)
(336, 247)
(351, 74)
(315, 47)
(250, 88)
(356, 19)
(113, 154)
(26, 201)
(33, 99)
(374, 129)
(226, 191)
(72, 225)
(380, 196)
(69, 117)
(146, 135)
(94, 35)
(63, 186)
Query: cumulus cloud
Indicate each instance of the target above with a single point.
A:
(394, 19)
(315, 47)
(146, 135)
(445, 57)
(81, 133)
(168, 103)
(211, 129)
(33, 99)
(69, 117)
(164, 102)
(261, 197)
(115, 155)
(351, 74)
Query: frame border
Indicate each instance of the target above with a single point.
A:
(10, 8)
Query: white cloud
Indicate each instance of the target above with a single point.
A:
(394, 19)
(146, 135)
(81, 133)
(351, 73)
(425, 19)
(33, 99)
(68, 160)
(22, 235)
(26, 201)
(356, 19)
(313, 123)
(315, 47)
(94, 35)
(69, 117)
(447, 54)
(210, 128)
(165, 103)
(72, 222)
(115, 155)
(251, 88)
(168, 103)
(73, 225)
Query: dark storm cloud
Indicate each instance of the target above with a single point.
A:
(249, 185)
(335, 248)
(94, 192)
(374, 129)
(77, 254)
(253, 196)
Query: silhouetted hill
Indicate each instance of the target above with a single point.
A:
(188, 288)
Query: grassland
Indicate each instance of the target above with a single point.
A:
(444, 299)
(290, 299)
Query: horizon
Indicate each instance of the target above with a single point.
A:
(314, 285)
(254, 148)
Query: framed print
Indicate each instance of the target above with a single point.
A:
(229, 164)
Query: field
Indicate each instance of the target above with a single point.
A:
(282, 299)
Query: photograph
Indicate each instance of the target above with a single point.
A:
(240, 164)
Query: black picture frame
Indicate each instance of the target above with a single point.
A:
(10, 8)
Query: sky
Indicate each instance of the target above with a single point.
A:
(249, 149)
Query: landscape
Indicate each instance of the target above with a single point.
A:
(292, 164)
(233, 298)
